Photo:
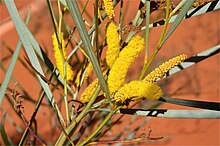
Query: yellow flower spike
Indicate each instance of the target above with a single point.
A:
(137, 90)
(160, 71)
(77, 80)
(113, 42)
(119, 69)
(88, 70)
(58, 57)
(109, 9)
(89, 91)
(87, 73)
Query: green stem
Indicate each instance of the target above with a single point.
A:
(99, 127)
(65, 96)
(54, 22)
(61, 140)
(96, 29)
(25, 134)
(165, 25)
(177, 7)
(147, 30)
(148, 64)
(64, 65)
(159, 45)
(60, 16)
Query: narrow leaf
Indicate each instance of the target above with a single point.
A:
(77, 17)
(3, 132)
(92, 29)
(166, 113)
(22, 32)
(20, 27)
(211, 6)
(192, 103)
(178, 19)
(63, 2)
(11, 67)
(194, 60)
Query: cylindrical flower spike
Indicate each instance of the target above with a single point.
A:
(59, 58)
(113, 42)
(160, 71)
(119, 69)
(89, 91)
(87, 73)
(137, 90)
(78, 77)
(109, 9)
(88, 70)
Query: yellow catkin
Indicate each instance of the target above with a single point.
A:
(78, 77)
(58, 57)
(119, 69)
(88, 71)
(160, 71)
(113, 42)
(109, 9)
(89, 91)
(136, 90)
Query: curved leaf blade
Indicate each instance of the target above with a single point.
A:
(10, 69)
(77, 17)
(22, 32)
(3, 132)
(192, 103)
(166, 113)
(178, 19)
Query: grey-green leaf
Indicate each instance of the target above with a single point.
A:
(178, 19)
(77, 17)
(11, 67)
(28, 46)
(3, 133)
(167, 113)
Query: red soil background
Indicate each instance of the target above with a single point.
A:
(199, 82)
